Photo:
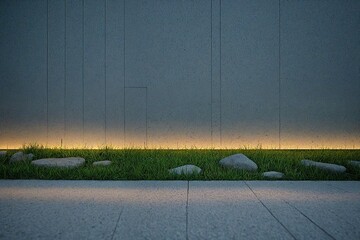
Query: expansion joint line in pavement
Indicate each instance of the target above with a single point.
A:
(117, 223)
(328, 234)
(270, 211)
(187, 212)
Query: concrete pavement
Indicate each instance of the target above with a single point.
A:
(37, 209)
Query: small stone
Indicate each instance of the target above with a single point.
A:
(239, 161)
(185, 169)
(30, 156)
(102, 163)
(20, 157)
(3, 153)
(325, 166)
(70, 162)
(273, 174)
(355, 163)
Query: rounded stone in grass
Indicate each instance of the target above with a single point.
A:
(273, 174)
(325, 166)
(3, 153)
(238, 161)
(71, 162)
(185, 169)
(20, 157)
(355, 163)
(102, 163)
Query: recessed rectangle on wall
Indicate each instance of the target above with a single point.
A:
(250, 73)
(56, 72)
(94, 73)
(74, 75)
(135, 117)
(23, 74)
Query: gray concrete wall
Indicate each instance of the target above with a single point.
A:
(205, 73)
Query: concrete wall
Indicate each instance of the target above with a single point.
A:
(180, 73)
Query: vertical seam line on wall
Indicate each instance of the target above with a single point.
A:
(105, 75)
(279, 75)
(65, 105)
(124, 79)
(146, 116)
(83, 72)
(220, 82)
(47, 72)
(211, 72)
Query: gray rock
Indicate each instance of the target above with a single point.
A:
(238, 161)
(185, 169)
(325, 166)
(20, 157)
(70, 162)
(3, 153)
(355, 163)
(30, 156)
(102, 163)
(273, 174)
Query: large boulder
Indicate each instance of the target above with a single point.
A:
(325, 166)
(238, 161)
(70, 162)
(20, 157)
(185, 169)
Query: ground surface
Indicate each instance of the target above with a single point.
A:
(132, 164)
(38, 209)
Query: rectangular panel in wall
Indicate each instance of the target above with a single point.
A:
(74, 74)
(135, 117)
(56, 72)
(168, 50)
(94, 73)
(23, 62)
(115, 73)
(320, 80)
(250, 73)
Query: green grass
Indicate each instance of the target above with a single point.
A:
(132, 164)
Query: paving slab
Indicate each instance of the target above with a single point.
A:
(312, 209)
(229, 210)
(37, 209)
(32, 209)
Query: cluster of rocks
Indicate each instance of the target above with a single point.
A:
(236, 161)
(242, 162)
(68, 162)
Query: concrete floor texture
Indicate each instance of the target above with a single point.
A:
(41, 209)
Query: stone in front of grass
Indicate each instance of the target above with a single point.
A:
(273, 174)
(102, 163)
(239, 161)
(185, 169)
(3, 153)
(325, 166)
(71, 162)
(20, 157)
(355, 163)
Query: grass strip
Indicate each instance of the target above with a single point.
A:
(135, 164)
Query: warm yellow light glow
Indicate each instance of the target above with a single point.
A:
(184, 141)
